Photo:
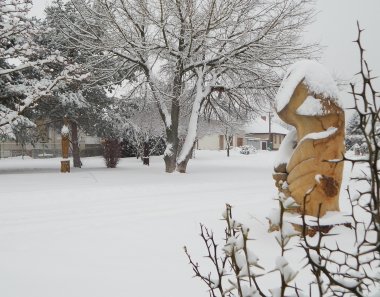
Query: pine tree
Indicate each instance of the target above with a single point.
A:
(29, 72)
(355, 139)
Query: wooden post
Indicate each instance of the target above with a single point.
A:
(65, 162)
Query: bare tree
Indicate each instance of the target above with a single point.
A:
(146, 131)
(231, 121)
(187, 52)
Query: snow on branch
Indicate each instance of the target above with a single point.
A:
(33, 94)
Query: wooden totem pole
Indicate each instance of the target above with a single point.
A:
(308, 169)
(65, 142)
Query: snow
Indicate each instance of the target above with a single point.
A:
(283, 266)
(120, 232)
(286, 149)
(276, 292)
(110, 232)
(375, 294)
(248, 291)
(318, 178)
(274, 216)
(311, 107)
(194, 117)
(319, 135)
(314, 75)
(65, 130)
(202, 92)
(169, 150)
(252, 258)
(290, 203)
(329, 219)
(260, 125)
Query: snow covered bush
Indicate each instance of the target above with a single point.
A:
(237, 270)
(111, 152)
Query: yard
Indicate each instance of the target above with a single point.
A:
(120, 232)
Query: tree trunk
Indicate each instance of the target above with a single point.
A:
(170, 155)
(75, 142)
(192, 127)
(181, 166)
(146, 153)
(170, 163)
(171, 151)
(227, 144)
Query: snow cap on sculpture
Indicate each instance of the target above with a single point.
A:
(65, 130)
(315, 77)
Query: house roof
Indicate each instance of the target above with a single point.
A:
(261, 126)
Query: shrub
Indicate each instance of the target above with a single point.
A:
(111, 152)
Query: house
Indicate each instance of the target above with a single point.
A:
(256, 134)
(49, 145)
(259, 132)
(218, 142)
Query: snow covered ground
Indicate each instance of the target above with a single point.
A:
(120, 232)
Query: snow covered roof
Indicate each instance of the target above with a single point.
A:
(260, 125)
(314, 75)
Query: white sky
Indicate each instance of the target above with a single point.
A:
(335, 29)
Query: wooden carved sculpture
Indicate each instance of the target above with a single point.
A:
(307, 169)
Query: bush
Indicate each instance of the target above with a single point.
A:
(111, 152)
(130, 148)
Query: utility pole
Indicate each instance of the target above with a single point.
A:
(270, 145)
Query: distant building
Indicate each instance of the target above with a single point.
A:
(255, 134)
(49, 145)
(218, 142)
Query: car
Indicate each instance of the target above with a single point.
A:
(248, 149)
(245, 150)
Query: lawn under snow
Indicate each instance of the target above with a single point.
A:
(120, 232)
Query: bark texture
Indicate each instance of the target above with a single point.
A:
(74, 138)
(146, 153)
(181, 166)
(170, 155)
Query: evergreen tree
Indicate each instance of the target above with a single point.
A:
(355, 139)
(29, 72)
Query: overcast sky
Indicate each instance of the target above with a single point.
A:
(335, 29)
